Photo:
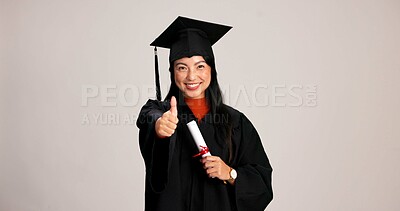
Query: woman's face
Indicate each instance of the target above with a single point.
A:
(192, 76)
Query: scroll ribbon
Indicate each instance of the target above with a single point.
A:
(204, 150)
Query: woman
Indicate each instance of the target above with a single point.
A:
(238, 175)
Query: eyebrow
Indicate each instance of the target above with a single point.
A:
(199, 62)
(181, 63)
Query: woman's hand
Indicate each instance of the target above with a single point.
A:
(167, 123)
(216, 167)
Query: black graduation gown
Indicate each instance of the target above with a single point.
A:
(175, 181)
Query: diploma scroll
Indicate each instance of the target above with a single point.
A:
(198, 139)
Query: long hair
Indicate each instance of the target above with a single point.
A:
(221, 118)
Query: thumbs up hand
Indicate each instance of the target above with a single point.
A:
(167, 123)
(174, 109)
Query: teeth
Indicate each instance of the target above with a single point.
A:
(192, 85)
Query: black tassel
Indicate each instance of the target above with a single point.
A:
(158, 90)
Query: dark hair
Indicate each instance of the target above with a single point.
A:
(218, 110)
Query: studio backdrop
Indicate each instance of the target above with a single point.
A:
(318, 79)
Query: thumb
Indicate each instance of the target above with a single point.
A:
(173, 109)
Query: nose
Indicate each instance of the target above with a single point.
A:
(191, 74)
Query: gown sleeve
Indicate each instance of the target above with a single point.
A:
(253, 189)
(155, 151)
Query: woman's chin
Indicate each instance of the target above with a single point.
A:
(191, 95)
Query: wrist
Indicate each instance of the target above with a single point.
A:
(232, 176)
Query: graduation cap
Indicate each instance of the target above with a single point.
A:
(187, 37)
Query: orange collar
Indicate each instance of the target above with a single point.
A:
(199, 107)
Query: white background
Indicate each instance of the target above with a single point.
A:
(341, 154)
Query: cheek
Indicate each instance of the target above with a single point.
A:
(178, 78)
(207, 76)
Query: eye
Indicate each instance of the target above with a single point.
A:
(200, 67)
(181, 68)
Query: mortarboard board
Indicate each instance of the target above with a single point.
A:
(187, 37)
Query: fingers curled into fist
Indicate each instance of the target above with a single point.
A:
(215, 167)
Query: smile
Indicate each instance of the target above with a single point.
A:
(192, 86)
